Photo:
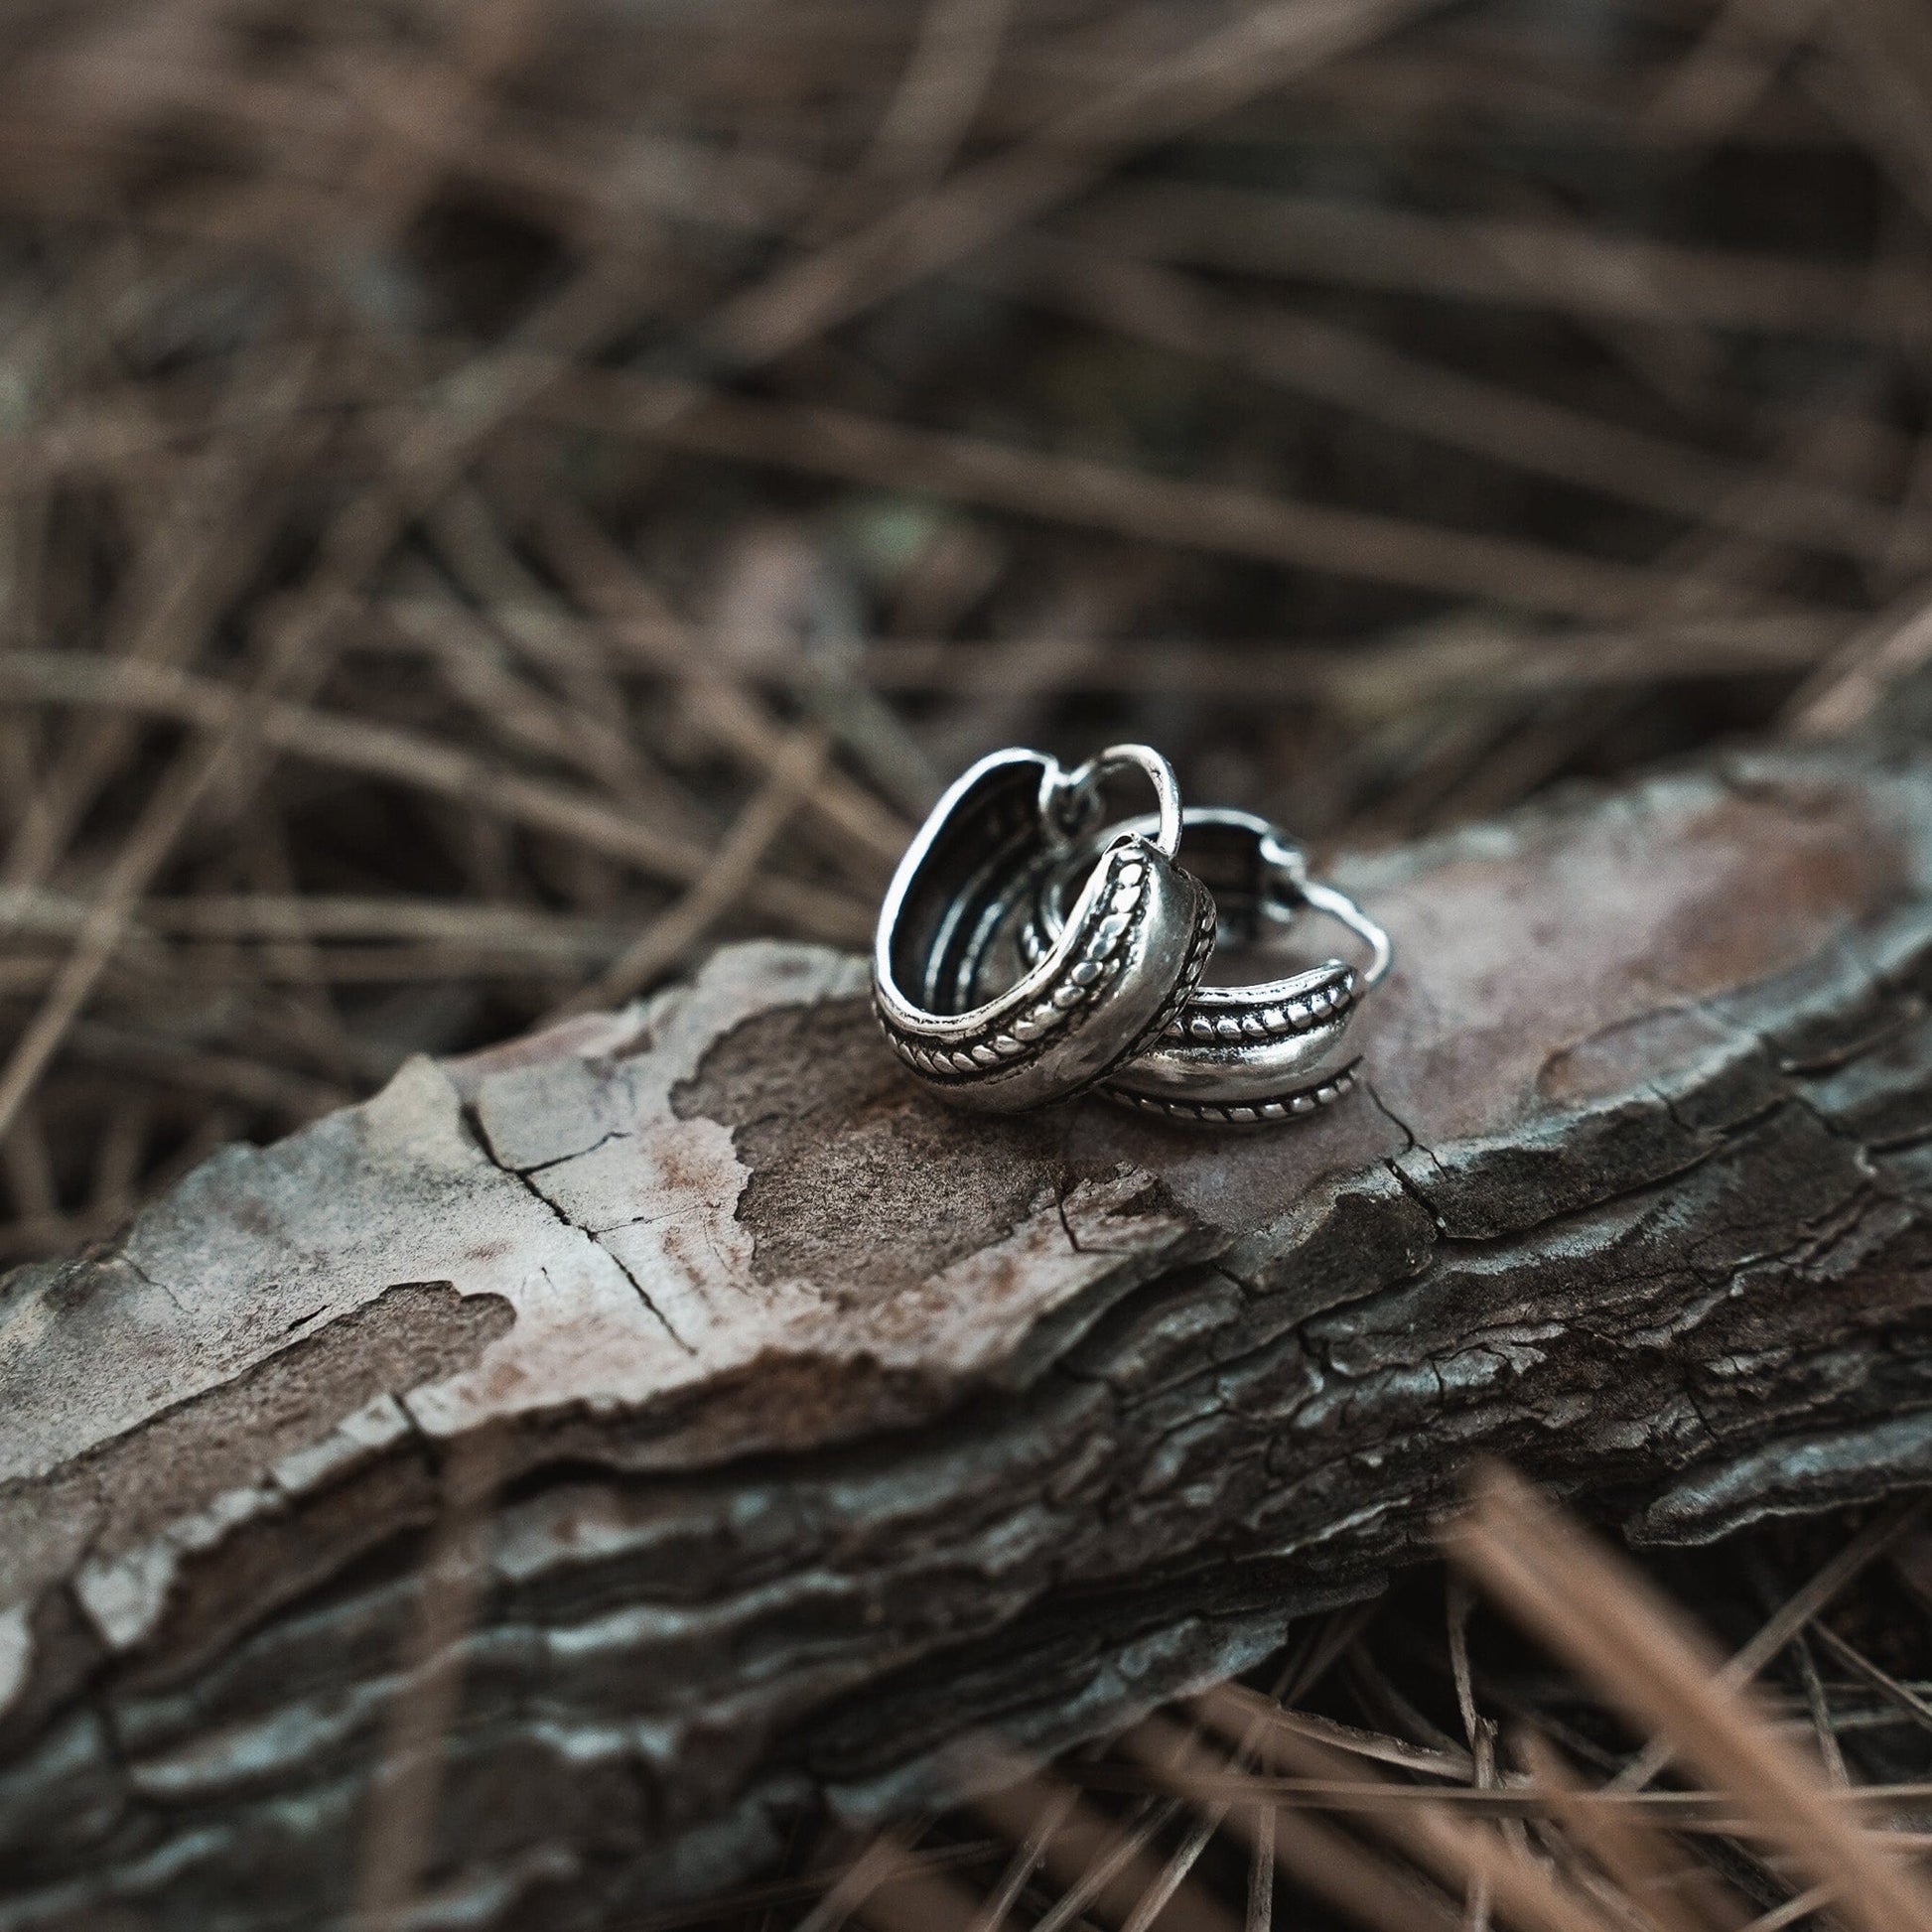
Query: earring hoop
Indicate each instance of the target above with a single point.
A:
(1135, 932)
(1244, 1056)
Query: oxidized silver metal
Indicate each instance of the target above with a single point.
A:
(990, 1022)
(1242, 1055)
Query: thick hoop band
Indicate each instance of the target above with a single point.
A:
(1135, 932)
(1243, 1056)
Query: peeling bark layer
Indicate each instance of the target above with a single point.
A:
(835, 1428)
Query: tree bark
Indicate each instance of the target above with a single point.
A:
(830, 1429)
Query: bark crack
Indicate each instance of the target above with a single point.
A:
(522, 1177)
(153, 1281)
(576, 1154)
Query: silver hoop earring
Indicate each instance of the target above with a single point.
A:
(1135, 932)
(1243, 1056)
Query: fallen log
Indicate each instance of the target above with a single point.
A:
(828, 1430)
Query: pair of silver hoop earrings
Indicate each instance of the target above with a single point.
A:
(1026, 951)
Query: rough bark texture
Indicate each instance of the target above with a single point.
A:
(834, 1427)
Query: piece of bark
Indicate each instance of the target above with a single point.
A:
(835, 1428)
